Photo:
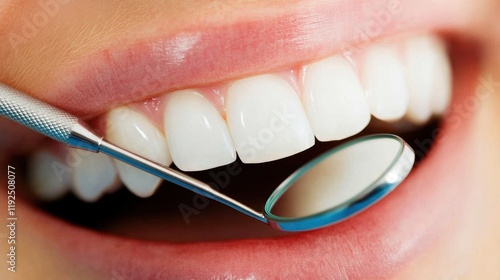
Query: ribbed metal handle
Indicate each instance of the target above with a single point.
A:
(35, 114)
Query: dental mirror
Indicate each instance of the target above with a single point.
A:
(340, 183)
(331, 188)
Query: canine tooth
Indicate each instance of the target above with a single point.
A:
(49, 176)
(134, 132)
(428, 75)
(334, 99)
(420, 74)
(93, 176)
(197, 134)
(266, 119)
(443, 80)
(385, 83)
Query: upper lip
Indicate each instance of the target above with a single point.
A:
(121, 72)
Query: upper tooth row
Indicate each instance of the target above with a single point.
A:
(268, 117)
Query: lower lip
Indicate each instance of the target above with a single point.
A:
(374, 244)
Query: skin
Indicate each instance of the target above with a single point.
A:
(470, 252)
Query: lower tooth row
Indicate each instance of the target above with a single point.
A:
(53, 173)
(264, 118)
(94, 176)
(47, 174)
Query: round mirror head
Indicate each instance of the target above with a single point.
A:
(340, 183)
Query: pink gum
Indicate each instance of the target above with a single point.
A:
(153, 108)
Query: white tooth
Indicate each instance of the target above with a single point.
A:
(441, 97)
(420, 73)
(334, 99)
(93, 176)
(266, 119)
(428, 76)
(384, 79)
(197, 134)
(49, 177)
(134, 132)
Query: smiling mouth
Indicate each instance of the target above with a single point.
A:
(261, 118)
(244, 135)
(332, 99)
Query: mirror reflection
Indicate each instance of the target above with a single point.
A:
(338, 177)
